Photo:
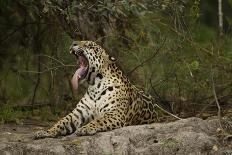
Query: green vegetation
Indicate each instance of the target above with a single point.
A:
(12, 114)
(170, 48)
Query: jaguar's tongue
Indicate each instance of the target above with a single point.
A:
(80, 72)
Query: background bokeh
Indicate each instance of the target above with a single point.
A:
(171, 49)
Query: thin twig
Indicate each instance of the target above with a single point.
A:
(18, 28)
(46, 70)
(168, 112)
(50, 57)
(195, 44)
(216, 100)
(148, 59)
(158, 96)
(161, 100)
(224, 98)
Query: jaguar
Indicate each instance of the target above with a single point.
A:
(111, 100)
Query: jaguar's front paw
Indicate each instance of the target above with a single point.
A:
(40, 134)
(85, 131)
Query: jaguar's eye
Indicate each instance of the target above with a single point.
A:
(74, 44)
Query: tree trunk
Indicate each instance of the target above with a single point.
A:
(220, 18)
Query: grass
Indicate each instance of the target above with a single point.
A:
(11, 114)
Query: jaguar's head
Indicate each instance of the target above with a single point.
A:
(91, 58)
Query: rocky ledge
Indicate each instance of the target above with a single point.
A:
(187, 136)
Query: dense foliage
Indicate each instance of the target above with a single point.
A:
(169, 48)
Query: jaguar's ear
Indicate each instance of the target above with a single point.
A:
(108, 58)
(112, 58)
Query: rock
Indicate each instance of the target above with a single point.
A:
(188, 136)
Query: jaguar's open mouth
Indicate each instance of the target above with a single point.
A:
(83, 67)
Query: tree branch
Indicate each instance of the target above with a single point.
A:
(216, 99)
(148, 59)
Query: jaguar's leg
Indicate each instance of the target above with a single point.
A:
(108, 122)
(68, 124)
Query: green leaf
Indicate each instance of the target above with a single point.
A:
(194, 65)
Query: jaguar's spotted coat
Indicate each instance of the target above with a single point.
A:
(110, 102)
